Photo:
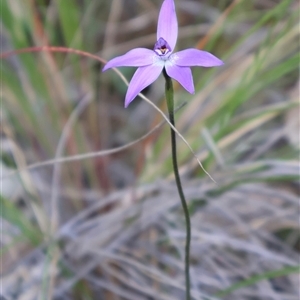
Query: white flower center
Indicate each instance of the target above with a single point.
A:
(162, 49)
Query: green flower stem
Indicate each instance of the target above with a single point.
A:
(170, 103)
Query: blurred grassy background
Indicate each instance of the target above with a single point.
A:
(111, 227)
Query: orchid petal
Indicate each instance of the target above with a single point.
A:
(167, 27)
(143, 77)
(195, 57)
(138, 57)
(183, 75)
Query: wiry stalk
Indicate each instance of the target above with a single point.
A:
(170, 103)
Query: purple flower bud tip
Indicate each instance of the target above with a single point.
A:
(150, 63)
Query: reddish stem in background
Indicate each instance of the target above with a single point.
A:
(51, 49)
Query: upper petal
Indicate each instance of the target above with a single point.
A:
(183, 75)
(195, 57)
(167, 26)
(134, 58)
(143, 77)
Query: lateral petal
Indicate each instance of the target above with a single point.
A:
(167, 26)
(143, 77)
(195, 57)
(134, 58)
(183, 75)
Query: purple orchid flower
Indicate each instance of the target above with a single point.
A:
(152, 62)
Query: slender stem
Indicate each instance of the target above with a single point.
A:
(170, 103)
